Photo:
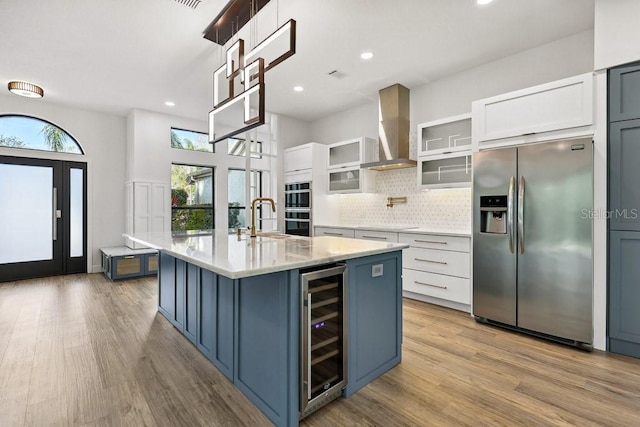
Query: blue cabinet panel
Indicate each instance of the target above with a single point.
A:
(624, 292)
(223, 357)
(624, 210)
(206, 335)
(624, 93)
(215, 320)
(167, 285)
(375, 317)
(624, 175)
(181, 278)
(190, 301)
(262, 368)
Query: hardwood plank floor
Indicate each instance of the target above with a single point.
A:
(81, 350)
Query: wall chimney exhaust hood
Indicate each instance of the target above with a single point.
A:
(393, 130)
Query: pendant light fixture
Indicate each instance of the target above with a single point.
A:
(28, 90)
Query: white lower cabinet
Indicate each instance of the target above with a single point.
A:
(378, 236)
(437, 285)
(436, 269)
(334, 232)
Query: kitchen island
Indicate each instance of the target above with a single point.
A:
(239, 301)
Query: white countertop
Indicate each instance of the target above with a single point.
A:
(236, 257)
(403, 229)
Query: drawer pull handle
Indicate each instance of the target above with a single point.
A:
(129, 257)
(429, 284)
(432, 261)
(431, 241)
(328, 233)
(373, 237)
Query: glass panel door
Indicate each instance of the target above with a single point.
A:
(30, 194)
(43, 211)
(27, 211)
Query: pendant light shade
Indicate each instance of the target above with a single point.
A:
(28, 90)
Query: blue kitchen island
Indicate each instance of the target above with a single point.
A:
(239, 301)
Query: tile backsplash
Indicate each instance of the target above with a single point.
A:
(439, 208)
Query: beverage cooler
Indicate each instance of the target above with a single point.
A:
(323, 352)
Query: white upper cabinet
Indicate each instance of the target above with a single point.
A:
(343, 166)
(305, 163)
(298, 158)
(444, 153)
(445, 171)
(351, 180)
(525, 114)
(445, 136)
(352, 153)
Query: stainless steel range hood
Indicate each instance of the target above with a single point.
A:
(393, 130)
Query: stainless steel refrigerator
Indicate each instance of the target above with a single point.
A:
(532, 238)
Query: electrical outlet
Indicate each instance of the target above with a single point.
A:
(377, 270)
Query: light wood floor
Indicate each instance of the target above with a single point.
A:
(80, 350)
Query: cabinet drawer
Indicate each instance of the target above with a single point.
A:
(335, 232)
(380, 236)
(450, 288)
(435, 241)
(127, 266)
(435, 261)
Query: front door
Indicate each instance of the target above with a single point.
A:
(42, 218)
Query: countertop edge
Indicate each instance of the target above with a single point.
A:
(278, 269)
(419, 230)
(273, 268)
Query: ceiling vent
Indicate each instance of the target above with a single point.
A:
(189, 3)
(337, 74)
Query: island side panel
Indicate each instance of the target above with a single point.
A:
(215, 320)
(192, 277)
(375, 317)
(266, 348)
(167, 287)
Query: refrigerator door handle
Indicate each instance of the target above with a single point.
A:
(521, 214)
(510, 230)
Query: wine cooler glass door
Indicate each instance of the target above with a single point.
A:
(323, 355)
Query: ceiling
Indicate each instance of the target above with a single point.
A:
(115, 55)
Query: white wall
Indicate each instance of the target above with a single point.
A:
(149, 154)
(352, 123)
(102, 137)
(453, 95)
(617, 31)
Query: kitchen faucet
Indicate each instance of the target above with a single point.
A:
(254, 202)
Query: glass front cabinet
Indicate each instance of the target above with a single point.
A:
(343, 166)
(444, 153)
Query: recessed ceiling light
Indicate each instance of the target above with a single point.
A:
(170, 103)
(366, 55)
(482, 2)
(298, 88)
(28, 90)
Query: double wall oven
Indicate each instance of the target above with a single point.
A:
(297, 212)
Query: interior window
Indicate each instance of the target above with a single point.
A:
(238, 147)
(35, 134)
(190, 140)
(191, 197)
(238, 215)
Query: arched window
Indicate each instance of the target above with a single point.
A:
(35, 134)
